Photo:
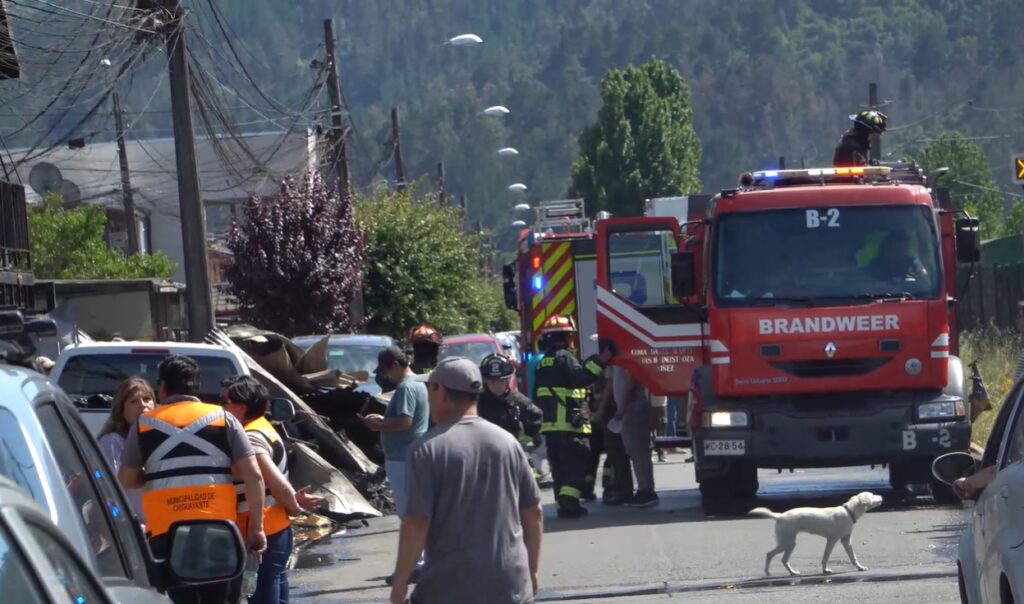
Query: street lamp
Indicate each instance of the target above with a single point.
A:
(465, 40)
(517, 187)
(522, 207)
(519, 224)
(508, 151)
(496, 111)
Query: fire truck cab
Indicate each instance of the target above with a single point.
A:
(808, 316)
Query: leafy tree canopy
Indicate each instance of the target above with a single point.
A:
(422, 268)
(643, 144)
(970, 182)
(298, 260)
(71, 244)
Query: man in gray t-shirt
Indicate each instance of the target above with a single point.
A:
(471, 500)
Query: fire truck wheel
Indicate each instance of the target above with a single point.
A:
(898, 478)
(942, 493)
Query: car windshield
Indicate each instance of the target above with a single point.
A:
(89, 374)
(351, 359)
(830, 255)
(474, 351)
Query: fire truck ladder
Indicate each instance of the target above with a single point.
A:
(562, 216)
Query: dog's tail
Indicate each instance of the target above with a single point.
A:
(763, 513)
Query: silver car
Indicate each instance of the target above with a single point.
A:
(46, 450)
(990, 558)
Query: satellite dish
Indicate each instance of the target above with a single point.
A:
(70, 192)
(45, 178)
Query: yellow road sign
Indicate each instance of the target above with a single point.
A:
(1019, 167)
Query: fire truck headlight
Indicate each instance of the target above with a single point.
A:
(943, 410)
(726, 419)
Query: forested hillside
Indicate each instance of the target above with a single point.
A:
(768, 78)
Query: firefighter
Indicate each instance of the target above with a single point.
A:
(426, 345)
(561, 383)
(504, 407)
(854, 148)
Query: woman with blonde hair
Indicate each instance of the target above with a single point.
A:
(133, 397)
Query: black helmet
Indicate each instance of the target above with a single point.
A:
(496, 366)
(871, 120)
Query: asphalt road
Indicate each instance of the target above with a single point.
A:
(676, 552)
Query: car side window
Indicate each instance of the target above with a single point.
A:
(15, 573)
(89, 503)
(1013, 438)
(16, 461)
(117, 509)
(74, 579)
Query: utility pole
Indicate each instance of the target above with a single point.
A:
(396, 138)
(193, 218)
(337, 171)
(876, 146)
(126, 181)
(441, 198)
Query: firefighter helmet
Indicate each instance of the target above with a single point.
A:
(557, 324)
(424, 334)
(496, 367)
(871, 120)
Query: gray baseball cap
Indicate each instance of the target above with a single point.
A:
(456, 373)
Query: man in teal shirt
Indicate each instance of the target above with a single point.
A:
(404, 420)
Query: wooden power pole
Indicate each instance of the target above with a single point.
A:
(396, 139)
(193, 218)
(126, 181)
(441, 196)
(337, 171)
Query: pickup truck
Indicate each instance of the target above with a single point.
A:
(86, 370)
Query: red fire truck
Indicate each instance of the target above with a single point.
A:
(555, 270)
(807, 316)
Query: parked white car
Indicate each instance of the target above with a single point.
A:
(85, 370)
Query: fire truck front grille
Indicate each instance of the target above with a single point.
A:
(823, 368)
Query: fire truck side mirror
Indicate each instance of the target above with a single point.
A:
(967, 249)
(508, 275)
(684, 274)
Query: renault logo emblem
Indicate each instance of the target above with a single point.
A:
(830, 350)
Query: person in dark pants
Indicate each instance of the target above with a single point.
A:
(618, 471)
(562, 396)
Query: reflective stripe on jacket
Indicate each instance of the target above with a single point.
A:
(562, 391)
(275, 517)
(187, 465)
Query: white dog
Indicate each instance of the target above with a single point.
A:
(834, 524)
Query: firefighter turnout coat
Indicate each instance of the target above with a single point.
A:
(562, 383)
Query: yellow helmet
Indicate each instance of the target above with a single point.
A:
(557, 324)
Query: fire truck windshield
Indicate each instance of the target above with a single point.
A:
(825, 255)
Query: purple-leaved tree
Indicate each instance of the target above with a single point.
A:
(298, 260)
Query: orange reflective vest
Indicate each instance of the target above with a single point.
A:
(275, 517)
(187, 465)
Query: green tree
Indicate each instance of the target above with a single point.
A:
(971, 184)
(643, 143)
(70, 244)
(422, 268)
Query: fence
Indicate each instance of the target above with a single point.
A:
(990, 295)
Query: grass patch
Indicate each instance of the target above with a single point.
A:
(996, 351)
